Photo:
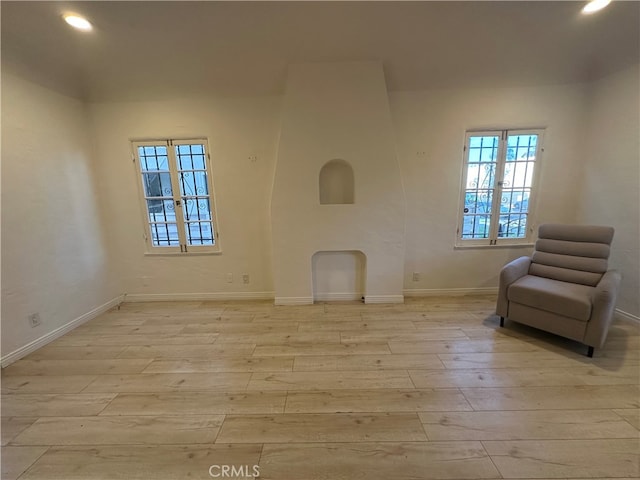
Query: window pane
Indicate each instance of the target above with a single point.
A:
(476, 226)
(521, 147)
(514, 201)
(184, 161)
(518, 174)
(199, 233)
(518, 180)
(153, 158)
(161, 210)
(157, 184)
(193, 183)
(474, 155)
(198, 161)
(196, 209)
(191, 157)
(478, 201)
(480, 179)
(514, 206)
(194, 190)
(513, 226)
(483, 149)
(480, 176)
(164, 234)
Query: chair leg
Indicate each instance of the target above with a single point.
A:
(590, 352)
(502, 321)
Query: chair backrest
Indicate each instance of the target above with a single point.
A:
(572, 253)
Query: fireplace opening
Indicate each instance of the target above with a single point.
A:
(338, 275)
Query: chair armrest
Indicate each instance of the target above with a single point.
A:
(607, 289)
(511, 272)
(603, 300)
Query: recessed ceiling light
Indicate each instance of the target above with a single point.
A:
(76, 21)
(595, 5)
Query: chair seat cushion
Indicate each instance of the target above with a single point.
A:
(569, 299)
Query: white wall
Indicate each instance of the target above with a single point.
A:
(433, 122)
(54, 251)
(430, 128)
(238, 129)
(610, 192)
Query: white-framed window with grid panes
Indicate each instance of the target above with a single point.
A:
(499, 183)
(176, 193)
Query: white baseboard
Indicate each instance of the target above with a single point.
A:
(196, 297)
(625, 316)
(384, 299)
(9, 358)
(337, 297)
(437, 292)
(294, 301)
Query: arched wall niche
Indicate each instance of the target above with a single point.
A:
(336, 183)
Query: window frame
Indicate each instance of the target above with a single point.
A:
(501, 161)
(183, 248)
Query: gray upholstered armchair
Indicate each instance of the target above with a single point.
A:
(565, 287)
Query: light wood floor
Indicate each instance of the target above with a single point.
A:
(432, 389)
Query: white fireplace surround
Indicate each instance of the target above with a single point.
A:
(337, 115)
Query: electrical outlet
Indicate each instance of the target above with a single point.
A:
(229, 277)
(416, 276)
(34, 320)
(245, 278)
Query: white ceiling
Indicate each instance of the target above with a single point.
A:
(156, 49)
